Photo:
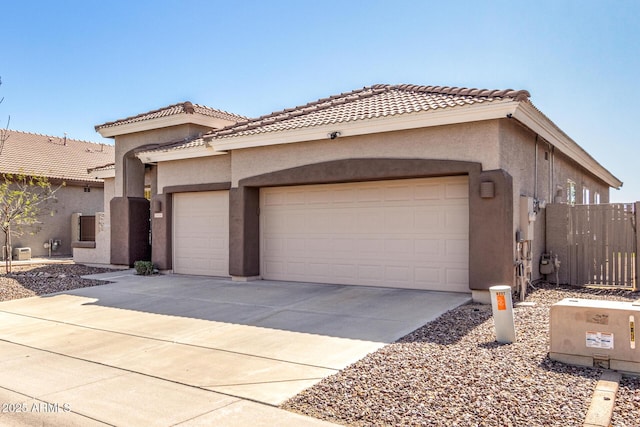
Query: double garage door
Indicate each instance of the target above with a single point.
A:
(410, 233)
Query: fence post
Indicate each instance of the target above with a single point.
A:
(637, 214)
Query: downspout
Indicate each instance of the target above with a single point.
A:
(553, 173)
(535, 178)
(551, 186)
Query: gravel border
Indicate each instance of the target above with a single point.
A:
(40, 279)
(452, 372)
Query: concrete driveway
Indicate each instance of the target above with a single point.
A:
(185, 350)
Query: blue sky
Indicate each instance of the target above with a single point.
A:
(69, 65)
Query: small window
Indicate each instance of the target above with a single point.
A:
(87, 228)
(596, 198)
(585, 196)
(571, 192)
(147, 193)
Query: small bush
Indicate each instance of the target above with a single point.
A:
(143, 268)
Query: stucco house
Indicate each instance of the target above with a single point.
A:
(390, 185)
(61, 160)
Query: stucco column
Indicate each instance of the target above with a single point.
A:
(161, 241)
(491, 239)
(244, 232)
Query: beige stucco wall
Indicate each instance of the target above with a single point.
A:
(565, 169)
(70, 199)
(518, 157)
(194, 171)
(101, 253)
(126, 143)
(476, 142)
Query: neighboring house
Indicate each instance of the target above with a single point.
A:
(61, 160)
(397, 186)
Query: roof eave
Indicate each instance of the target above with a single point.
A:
(440, 117)
(178, 154)
(111, 131)
(531, 117)
(522, 111)
(103, 174)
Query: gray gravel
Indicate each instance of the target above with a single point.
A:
(452, 372)
(41, 279)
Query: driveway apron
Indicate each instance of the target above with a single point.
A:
(189, 350)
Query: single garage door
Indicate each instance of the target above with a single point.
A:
(201, 233)
(410, 233)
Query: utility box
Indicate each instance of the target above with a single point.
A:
(595, 333)
(527, 218)
(22, 254)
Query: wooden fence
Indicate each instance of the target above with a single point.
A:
(603, 245)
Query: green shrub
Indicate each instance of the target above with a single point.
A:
(143, 268)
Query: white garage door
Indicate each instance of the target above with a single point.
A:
(201, 233)
(410, 233)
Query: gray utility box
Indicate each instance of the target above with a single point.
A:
(596, 333)
(22, 254)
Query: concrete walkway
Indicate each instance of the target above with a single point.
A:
(184, 350)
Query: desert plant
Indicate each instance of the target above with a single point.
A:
(143, 268)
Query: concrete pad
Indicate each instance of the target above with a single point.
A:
(265, 341)
(138, 400)
(385, 303)
(244, 413)
(19, 411)
(603, 400)
(343, 326)
(265, 380)
(285, 345)
(39, 373)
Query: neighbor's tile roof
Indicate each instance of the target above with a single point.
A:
(180, 108)
(367, 103)
(52, 156)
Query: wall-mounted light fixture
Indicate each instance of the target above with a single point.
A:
(334, 134)
(487, 190)
(157, 206)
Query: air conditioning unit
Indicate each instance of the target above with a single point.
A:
(596, 333)
(22, 254)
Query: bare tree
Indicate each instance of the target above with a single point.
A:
(24, 199)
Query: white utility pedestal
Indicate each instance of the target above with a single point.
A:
(502, 306)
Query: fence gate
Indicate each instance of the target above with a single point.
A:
(603, 245)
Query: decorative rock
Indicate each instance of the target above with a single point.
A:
(452, 372)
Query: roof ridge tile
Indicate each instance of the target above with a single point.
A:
(186, 107)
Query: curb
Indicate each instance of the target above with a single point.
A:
(603, 400)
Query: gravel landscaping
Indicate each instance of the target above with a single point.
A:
(452, 372)
(39, 279)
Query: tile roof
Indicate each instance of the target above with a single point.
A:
(52, 156)
(172, 110)
(367, 103)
